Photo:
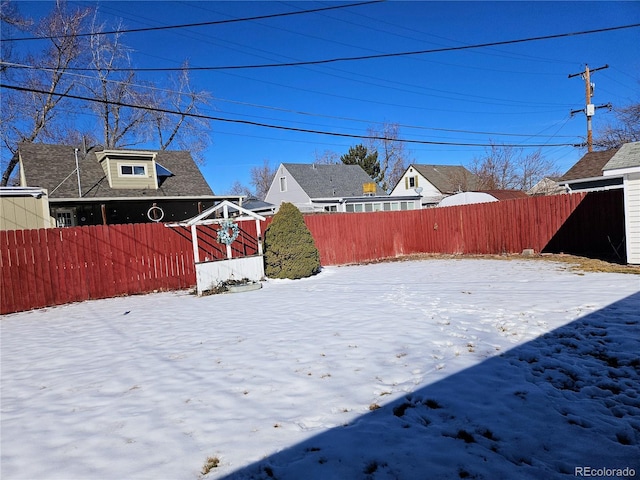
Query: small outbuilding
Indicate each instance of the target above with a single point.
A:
(24, 208)
(615, 169)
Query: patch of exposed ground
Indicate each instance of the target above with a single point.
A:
(572, 262)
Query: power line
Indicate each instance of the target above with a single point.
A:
(286, 110)
(417, 127)
(200, 24)
(457, 97)
(374, 56)
(278, 127)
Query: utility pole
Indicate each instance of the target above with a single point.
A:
(590, 108)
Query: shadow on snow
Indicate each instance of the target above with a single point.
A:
(567, 399)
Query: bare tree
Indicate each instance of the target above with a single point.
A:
(533, 167)
(508, 168)
(239, 189)
(133, 112)
(114, 88)
(626, 129)
(29, 115)
(123, 104)
(461, 180)
(327, 157)
(392, 154)
(496, 170)
(11, 20)
(182, 129)
(261, 179)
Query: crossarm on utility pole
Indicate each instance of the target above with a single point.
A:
(589, 108)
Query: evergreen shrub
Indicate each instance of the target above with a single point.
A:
(289, 249)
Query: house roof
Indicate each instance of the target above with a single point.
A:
(506, 194)
(589, 166)
(628, 156)
(546, 186)
(53, 167)
(448, 178)
(330, 180)
(253, 204)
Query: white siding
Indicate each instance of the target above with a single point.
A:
(211, 274)
(403, 188)
(632, 217)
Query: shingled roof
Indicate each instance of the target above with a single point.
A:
(589, 166)
(53, 167)
(627, 156)
(330, 180)
(447, 178)
(506, 194)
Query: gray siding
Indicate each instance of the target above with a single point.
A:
(293, 194)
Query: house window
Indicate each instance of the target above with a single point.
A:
(64, 218)
(410, 182)
(127, 170)
(283, 184)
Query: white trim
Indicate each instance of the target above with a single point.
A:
(595, 189)
(194, 242)
(22, 192)
(224, 205)
(618, 172)
(582, 180)
(131, 199)
(128, 153)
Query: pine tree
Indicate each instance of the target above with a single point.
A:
(289, 249)
(360, 155)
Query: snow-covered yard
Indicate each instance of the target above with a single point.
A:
(468, 368)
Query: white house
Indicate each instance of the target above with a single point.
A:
(434, 182)
(332, 188)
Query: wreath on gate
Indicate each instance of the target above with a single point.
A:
(228, 232)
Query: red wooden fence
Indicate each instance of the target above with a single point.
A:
(40, 268)
(61, 265)
(489, 228)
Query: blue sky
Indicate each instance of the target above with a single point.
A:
(520, 89)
